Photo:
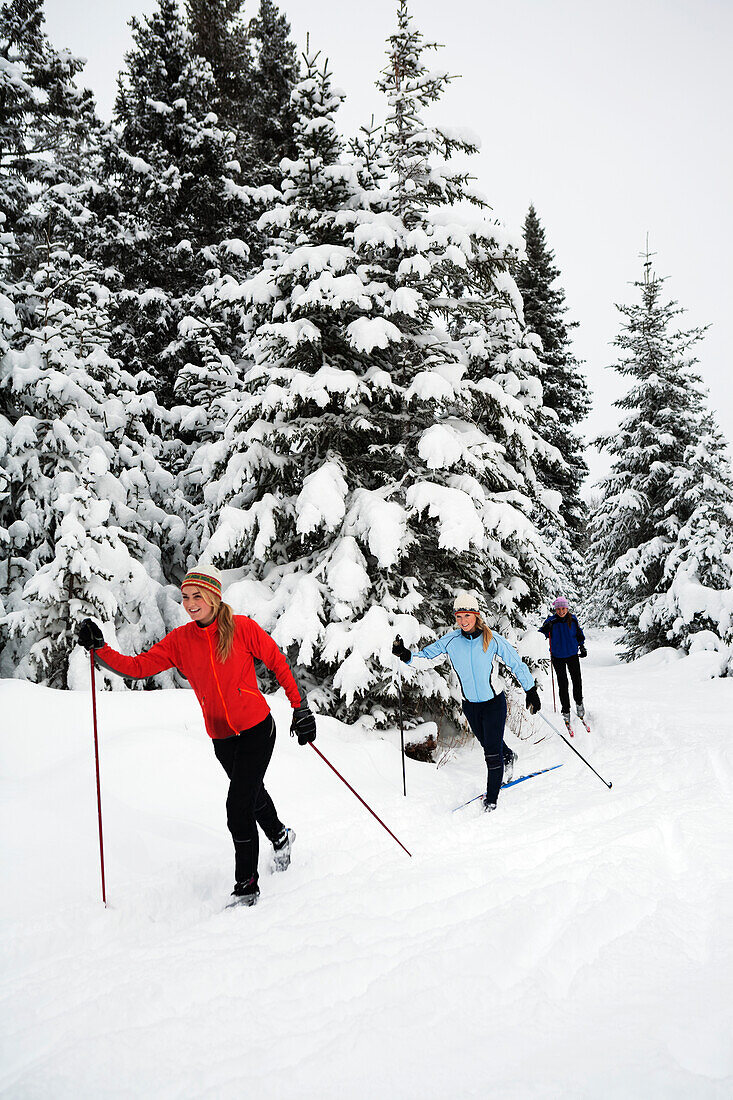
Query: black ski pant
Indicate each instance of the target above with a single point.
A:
(244, 758)
(487, 721)
(563, 666)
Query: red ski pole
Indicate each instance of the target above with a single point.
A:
(371, 811)
(96, 763)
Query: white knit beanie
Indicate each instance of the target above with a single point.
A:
(466, 601)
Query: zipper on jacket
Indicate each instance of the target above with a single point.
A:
(473, 671)
(221, 694)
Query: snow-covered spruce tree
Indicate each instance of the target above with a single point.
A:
(273, 71)
(255, 68)
(81, 481)
(47, 126)
(485, 316)
(696, 606)
(169, 201)
(646, 501)
(465, 281)
(46, 123)
(219, 35)
(48, 133)
(360, 490)
(566, 399)
(280, 454)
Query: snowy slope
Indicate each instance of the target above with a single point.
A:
(576, 943)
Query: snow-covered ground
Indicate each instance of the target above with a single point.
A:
(576, 943)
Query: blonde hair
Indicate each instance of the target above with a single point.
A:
(484, 630)
(224, 623)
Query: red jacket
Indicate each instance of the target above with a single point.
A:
(228, 692)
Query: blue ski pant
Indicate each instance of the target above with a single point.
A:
(244, 758)
(487, 721)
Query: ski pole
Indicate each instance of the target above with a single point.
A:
(402, 732)
(371, 811)
(96, 764)
(557, 731)
(552, 674)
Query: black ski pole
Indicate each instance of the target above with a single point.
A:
(557, 731)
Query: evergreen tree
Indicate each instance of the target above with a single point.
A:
(468, 283)
(255, 68)
(486, 319)
(270, 113)
(355, 485)
(82, 524)
(668, 492)
(286, 428)
(219, 35)
(696, 601)
(46, 126)
(566, 400)
(48, 129)
(170, 201)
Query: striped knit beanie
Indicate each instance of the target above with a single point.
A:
(204, 576)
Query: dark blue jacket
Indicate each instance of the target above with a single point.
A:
(565, 635)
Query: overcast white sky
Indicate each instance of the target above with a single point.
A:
(614, 119)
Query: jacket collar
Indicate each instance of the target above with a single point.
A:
(209, 628)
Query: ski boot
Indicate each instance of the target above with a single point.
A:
(509, 762)
(283, 847)
(244, 893)
(488, 806)
(580, 711)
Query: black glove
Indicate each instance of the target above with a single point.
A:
(303, 725)
(399, 649)
(582, 652)
(89, 635)
(533, 701)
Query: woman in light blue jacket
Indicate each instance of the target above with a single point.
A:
(476, 654)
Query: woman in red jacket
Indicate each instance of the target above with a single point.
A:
(216, 652)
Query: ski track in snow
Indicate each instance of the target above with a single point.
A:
(573, 944)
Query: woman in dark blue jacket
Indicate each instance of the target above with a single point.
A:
(567, 645)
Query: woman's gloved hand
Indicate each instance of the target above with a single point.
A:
(533, 701)
(582, 652)
(399, 649)
(303, 725)
(89, 635)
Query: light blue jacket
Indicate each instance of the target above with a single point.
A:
(478, 671)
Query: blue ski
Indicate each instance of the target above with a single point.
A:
(531, 775)
(511, 783)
